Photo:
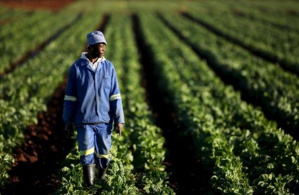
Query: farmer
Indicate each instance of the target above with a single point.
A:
(93, 104)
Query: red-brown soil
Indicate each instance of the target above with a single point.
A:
(36, 4)
(39, 158)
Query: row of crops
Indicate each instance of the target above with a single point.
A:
(16, 42)
(248, 153)
(207, 61)
(277, 43)
(262, 82)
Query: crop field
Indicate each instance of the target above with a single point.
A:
(210, 91)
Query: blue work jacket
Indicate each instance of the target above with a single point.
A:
(92, 96)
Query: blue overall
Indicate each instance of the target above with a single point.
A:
(94, 143)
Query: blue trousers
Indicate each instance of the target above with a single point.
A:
(94, 143)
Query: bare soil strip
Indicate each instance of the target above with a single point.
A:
(40, 156)
(54, 5)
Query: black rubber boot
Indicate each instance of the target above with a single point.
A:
(89, 174)
(102, 172)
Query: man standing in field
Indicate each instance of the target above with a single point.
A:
(93, 103)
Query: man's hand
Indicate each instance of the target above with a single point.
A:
(119, 128)
(69, 129)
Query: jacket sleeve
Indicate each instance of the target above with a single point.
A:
(116, 108)
(70, 98)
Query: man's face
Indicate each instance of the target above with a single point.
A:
(97, 50)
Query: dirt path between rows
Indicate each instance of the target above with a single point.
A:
(39, 158)
(54, 5)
